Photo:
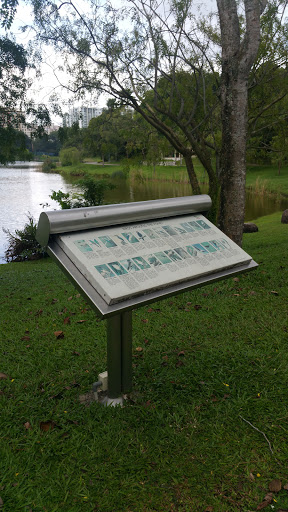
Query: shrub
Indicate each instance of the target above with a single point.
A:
(93, 192)
(48, 165)
(23, 245)
(70, 156)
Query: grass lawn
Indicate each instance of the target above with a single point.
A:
(206, 426)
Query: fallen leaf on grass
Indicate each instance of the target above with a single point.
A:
(59, 334)
(144, 320)
(66, 320)
(74, 353)
(274, 293)
(70, 298)
(27, 425)
(209, 509)
(47, 425)
(25, 338)
(139, 349)
(264, 504)
(149, 404)
(286, 487)
(181, 353)
(197, 307)
(275, 485)
(3, 376)
(269, 497)
(81, 321)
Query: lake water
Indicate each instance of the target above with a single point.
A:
(24, 189)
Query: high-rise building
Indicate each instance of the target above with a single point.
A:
(82, 115)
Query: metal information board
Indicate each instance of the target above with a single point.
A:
(123, 256)
(122, 262)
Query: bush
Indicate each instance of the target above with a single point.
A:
(48, 165)
(23, 245)
(70, 156)
(93, 192)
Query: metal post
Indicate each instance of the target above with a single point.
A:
(119, 355)
(126, 351)
(114, 356)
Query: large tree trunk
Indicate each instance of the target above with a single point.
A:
(238, 54)
(233, 158)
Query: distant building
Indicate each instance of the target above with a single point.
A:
(81, 115)
(52, 128)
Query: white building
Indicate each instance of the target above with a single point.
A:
(81, 115)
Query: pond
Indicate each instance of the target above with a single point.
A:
(24, 189)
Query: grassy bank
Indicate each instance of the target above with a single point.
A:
(265, 178)
(261, 178)
(205, 428)
(145, 172)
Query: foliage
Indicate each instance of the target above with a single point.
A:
(48, 144)
(73, 136)
(13, 145)
(93, 192)
(48, 165)
(164, 63)
(209, 358)
(23, 245)
(14, 106)
(70, 156)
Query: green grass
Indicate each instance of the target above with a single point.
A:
(161, 172)
(261, 178)
(265, 178)
(209, 359)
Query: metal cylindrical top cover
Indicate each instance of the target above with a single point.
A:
(78, 219)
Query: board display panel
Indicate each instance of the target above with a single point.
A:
(122, 262)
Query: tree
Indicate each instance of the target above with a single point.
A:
(13, 90)
(47, 145)
(238, 55)
(165, 64)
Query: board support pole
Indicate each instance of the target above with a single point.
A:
(119, 356)
(126, 351)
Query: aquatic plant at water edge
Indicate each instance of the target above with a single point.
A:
(92, 194)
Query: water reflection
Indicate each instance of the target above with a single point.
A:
(24, 189)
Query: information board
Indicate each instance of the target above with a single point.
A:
(122, 262)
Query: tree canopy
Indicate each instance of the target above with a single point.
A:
(187, 73)
(16, 111)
